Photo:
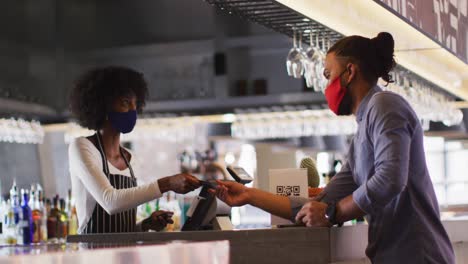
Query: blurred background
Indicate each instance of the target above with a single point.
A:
(219, 94)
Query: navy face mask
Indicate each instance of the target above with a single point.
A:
(124, 122)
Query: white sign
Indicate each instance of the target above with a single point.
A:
(288, 182)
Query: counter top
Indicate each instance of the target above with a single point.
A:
(350, 242)
(300, 244)
(303, 245)
(273, 245)
(45, 248)
(345, 243)
(173, 253)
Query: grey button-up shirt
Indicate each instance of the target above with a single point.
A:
(387, 175)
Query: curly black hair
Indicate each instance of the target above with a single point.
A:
(94, 92)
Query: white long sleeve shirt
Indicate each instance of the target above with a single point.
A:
(90, 185)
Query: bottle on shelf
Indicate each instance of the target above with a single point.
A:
(11, 232)
(26, 223)
(73, 222)
(62, 221)
(37, 217)
(52, 223)
(15, 204)
(45, 213)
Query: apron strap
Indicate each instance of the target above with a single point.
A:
(103, 155)
(128, 163)
(104, 158)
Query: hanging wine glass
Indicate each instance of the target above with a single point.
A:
(309, 66)
(319, 84)
(294, 59)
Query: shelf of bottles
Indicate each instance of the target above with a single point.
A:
(28, 218)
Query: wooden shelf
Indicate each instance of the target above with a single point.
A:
(16, 107)
(231, 103)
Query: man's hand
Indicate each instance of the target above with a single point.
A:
(157, 221)
(313, 214)
(179, 183)
(232, 193)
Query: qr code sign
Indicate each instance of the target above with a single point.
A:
(288, 190)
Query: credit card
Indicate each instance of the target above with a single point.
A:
(209, 184)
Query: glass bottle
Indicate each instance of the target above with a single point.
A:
(45, 213)
(62, 221)
(52, 223)
(36, 217)
(26, 223)
(15, 204)
(11, 236)
(73, 222)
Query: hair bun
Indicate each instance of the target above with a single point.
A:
(384, 40)
(384, 47)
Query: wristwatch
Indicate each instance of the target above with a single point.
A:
(330, 214)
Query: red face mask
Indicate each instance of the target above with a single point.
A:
(334, 93)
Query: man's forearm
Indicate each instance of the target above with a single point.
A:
(347, 210)
(274, 204)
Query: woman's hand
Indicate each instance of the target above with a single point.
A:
(232, 193)
(157, 221)
(179, 183)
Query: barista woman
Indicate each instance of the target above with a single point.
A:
(104, 180)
